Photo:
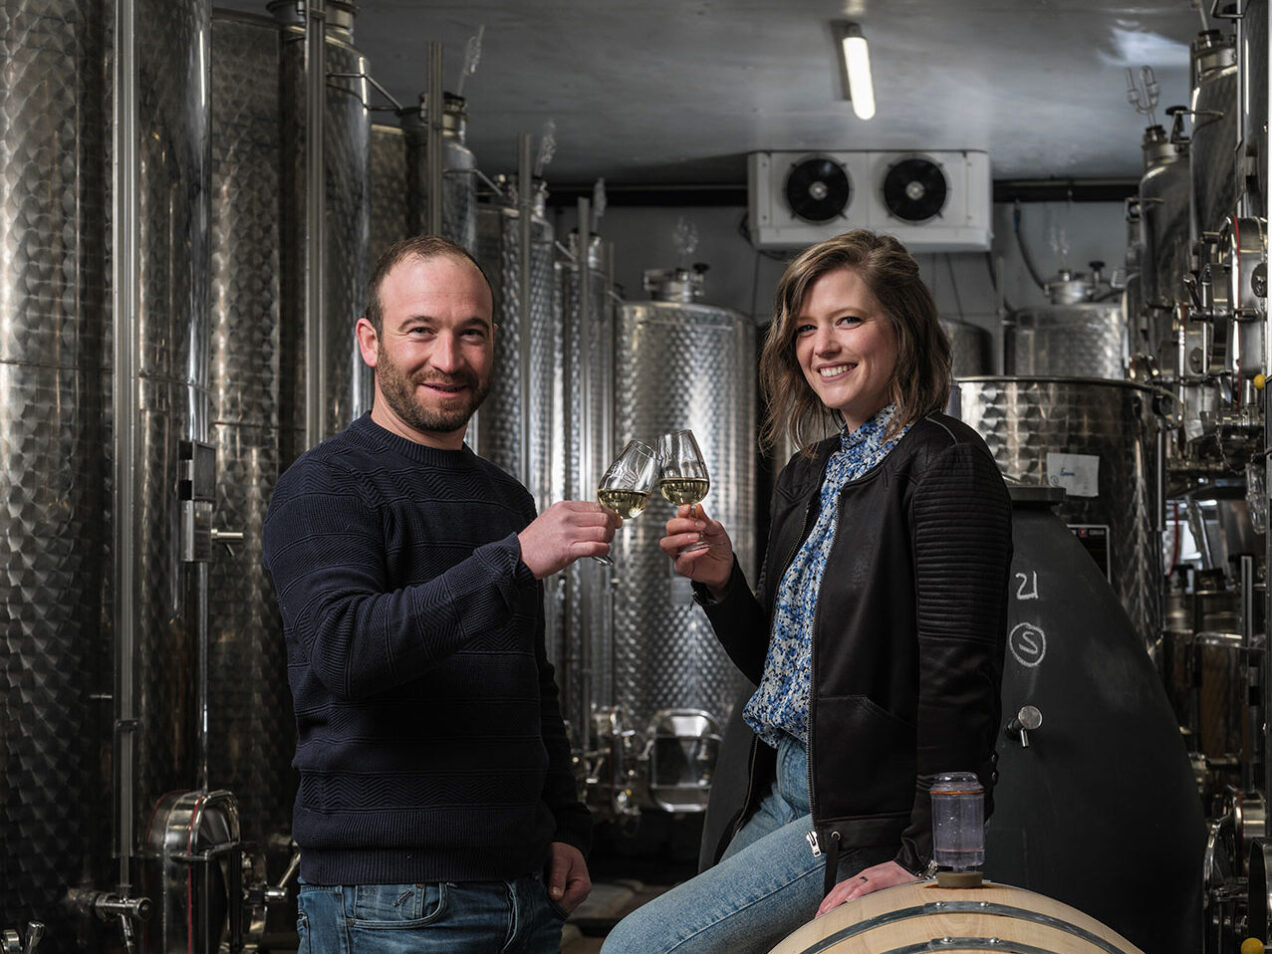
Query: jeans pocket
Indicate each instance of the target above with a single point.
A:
(390, 907)
(302, 932)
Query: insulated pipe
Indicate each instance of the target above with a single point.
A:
(436, 95)
(125, 297)
(525, 183)
(315, 225)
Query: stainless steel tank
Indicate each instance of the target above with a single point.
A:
(459, 171)
(254, 377)
(585, 424)
(1165, 190)
(680, 364)
(500, 436)
(55, 530)
(389, 220)
(971, 349)
(1071, 336)
(347, 134)
(1216, 126)
(1254, 66)
(1097, 439)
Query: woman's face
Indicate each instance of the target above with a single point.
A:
(846, 347)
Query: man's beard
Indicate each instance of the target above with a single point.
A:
(400, 394)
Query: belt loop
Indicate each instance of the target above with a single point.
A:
(832, 864)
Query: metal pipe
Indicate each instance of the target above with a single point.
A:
(1250, 756)
(201, 626)
(525, 183)
(1266, 159)
(125, 297)
(436, 97)
(587, 469)
(315, 221)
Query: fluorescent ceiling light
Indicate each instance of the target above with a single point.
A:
(854, 58)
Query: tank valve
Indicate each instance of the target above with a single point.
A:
(1027, 720)
(12, 944)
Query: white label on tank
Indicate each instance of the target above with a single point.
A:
(1078, 474)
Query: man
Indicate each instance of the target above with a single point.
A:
(437, 809)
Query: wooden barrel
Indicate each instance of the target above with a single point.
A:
(923, 917)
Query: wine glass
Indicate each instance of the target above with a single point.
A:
(627, 484)
(683, 478)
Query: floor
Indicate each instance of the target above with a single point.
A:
(605, 906)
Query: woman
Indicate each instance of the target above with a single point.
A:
(876, 632)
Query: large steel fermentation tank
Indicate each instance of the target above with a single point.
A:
(584, 422)
(1165, 191)
(970, 349)
(523, 451)
(55, 529)
(1071, 336)
(1216, 126)
(347, 222)
(387, 170)
(1108, 434)
(459, 171)
(400, 178)
(257, 415)
(680, 363)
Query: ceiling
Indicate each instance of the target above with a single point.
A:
(677, 92)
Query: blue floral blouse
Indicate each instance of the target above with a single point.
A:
(780, 705)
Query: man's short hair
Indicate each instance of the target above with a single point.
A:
(417, 246)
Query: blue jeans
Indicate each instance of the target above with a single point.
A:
(467, 917)
(767, 884)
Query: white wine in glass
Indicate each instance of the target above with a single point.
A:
(683, 478)
(627, 483)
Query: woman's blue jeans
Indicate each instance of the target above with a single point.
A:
(767, 884)
(469, 917)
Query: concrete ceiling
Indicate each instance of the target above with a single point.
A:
(676, 92)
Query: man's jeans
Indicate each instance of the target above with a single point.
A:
(470, 917)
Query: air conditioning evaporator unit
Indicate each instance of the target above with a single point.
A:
(931, 201)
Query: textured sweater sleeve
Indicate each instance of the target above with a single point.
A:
(324, 548)
(961, 524)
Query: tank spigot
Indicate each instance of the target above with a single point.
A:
(10, 943)
(1028, 719)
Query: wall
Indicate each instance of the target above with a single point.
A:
(1057, 235)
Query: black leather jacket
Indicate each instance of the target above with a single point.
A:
(908, 638)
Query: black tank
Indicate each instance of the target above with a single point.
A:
(1101, 810)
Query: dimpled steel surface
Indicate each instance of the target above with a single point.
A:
(1083, 340)
(55, 442)
(1024, 419)
(586, 598)
(252, 728)
(1213, 148)
(347, 154)
(388, 188)
(970, 347)
(498, 242)
(173, 369)
(681, 366)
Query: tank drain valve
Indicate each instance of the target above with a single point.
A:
(1027, 720)
(12, 944)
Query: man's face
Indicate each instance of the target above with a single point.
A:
(434, 353)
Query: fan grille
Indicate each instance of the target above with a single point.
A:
(817, 189)
(915, 190)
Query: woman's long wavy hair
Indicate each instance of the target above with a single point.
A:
(921, 382)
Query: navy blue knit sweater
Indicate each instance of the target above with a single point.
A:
(430, 746)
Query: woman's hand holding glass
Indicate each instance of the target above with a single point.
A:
(711, 562)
